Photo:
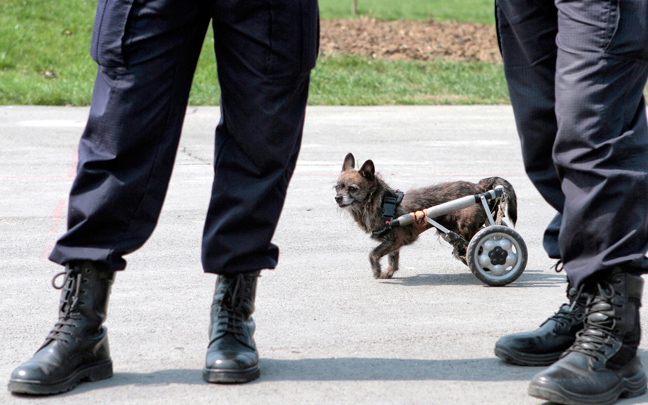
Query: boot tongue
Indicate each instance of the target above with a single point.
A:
(236, 300)
(68, 313)
(70, 292)
(601, 314)
(592, 339)
(599, 321)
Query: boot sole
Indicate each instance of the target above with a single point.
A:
(526, 359)
(226, 376)
(94, 372)
(628, 388)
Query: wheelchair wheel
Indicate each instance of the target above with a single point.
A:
(497, 255)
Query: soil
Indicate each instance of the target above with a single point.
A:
(410, 40)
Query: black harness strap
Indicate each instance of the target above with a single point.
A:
(391, 200)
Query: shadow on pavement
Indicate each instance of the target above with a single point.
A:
(342, 369)
(375, 369)
(530, 278)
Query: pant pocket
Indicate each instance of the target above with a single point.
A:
(526, 31)
(311, 34)
(294, 37)
(628, 29)
(109, 32)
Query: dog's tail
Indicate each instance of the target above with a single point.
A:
(509, 198)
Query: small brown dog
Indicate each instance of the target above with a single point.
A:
(363, 192)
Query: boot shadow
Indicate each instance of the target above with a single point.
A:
(342, 369)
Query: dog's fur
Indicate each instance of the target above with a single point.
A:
(361, 193)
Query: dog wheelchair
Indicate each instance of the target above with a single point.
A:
(497, 254)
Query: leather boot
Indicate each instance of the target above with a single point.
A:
(602, 364)
(543, 346)
(77, 348)
(232, 355)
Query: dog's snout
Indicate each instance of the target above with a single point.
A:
(338, 199)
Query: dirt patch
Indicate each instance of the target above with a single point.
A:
(413, 40)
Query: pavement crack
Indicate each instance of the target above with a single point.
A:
(194, 156)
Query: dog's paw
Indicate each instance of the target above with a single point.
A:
(386, 275)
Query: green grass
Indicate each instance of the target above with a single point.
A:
(45, 36)
(44, 59)
(360, 82)
(345, 80)
(480, 11)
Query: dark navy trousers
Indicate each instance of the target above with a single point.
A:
(576, 71)
(147, 52)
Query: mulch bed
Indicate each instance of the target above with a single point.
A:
(410, 40)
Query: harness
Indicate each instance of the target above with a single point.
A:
(391, 200)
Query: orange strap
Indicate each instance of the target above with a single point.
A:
(420, 221)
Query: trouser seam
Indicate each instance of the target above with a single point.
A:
(154, 164)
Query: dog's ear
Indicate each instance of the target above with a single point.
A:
(349, 162)
(368, 170)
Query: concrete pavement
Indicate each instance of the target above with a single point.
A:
(327, 331)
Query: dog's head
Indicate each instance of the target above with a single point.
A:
(354, 186)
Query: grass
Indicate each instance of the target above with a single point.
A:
(480, 11)
(360, 82)
(37, 37)
(44, 59)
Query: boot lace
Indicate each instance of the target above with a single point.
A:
(572, 312)
(565, 316)
(600, 323)
(69, 298)
(233, 312)
(559, 266)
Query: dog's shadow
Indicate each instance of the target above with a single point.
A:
(530, 278)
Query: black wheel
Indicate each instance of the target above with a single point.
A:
(497, 255)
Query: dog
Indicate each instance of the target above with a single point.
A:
(363, 192)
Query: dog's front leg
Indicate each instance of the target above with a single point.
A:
(381, 250)
(393, 265)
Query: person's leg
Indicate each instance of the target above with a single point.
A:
(527, 31)
(601, 149)
(265, 51)
(147, 52)
(264, 64)
(601, 153)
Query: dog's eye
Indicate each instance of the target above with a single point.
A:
(353, 189)
(337, 187)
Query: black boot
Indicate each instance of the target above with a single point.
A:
(77, 348)
(543, 346)
(602, 364)
(232, 356)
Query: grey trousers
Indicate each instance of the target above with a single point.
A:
(576, 71)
